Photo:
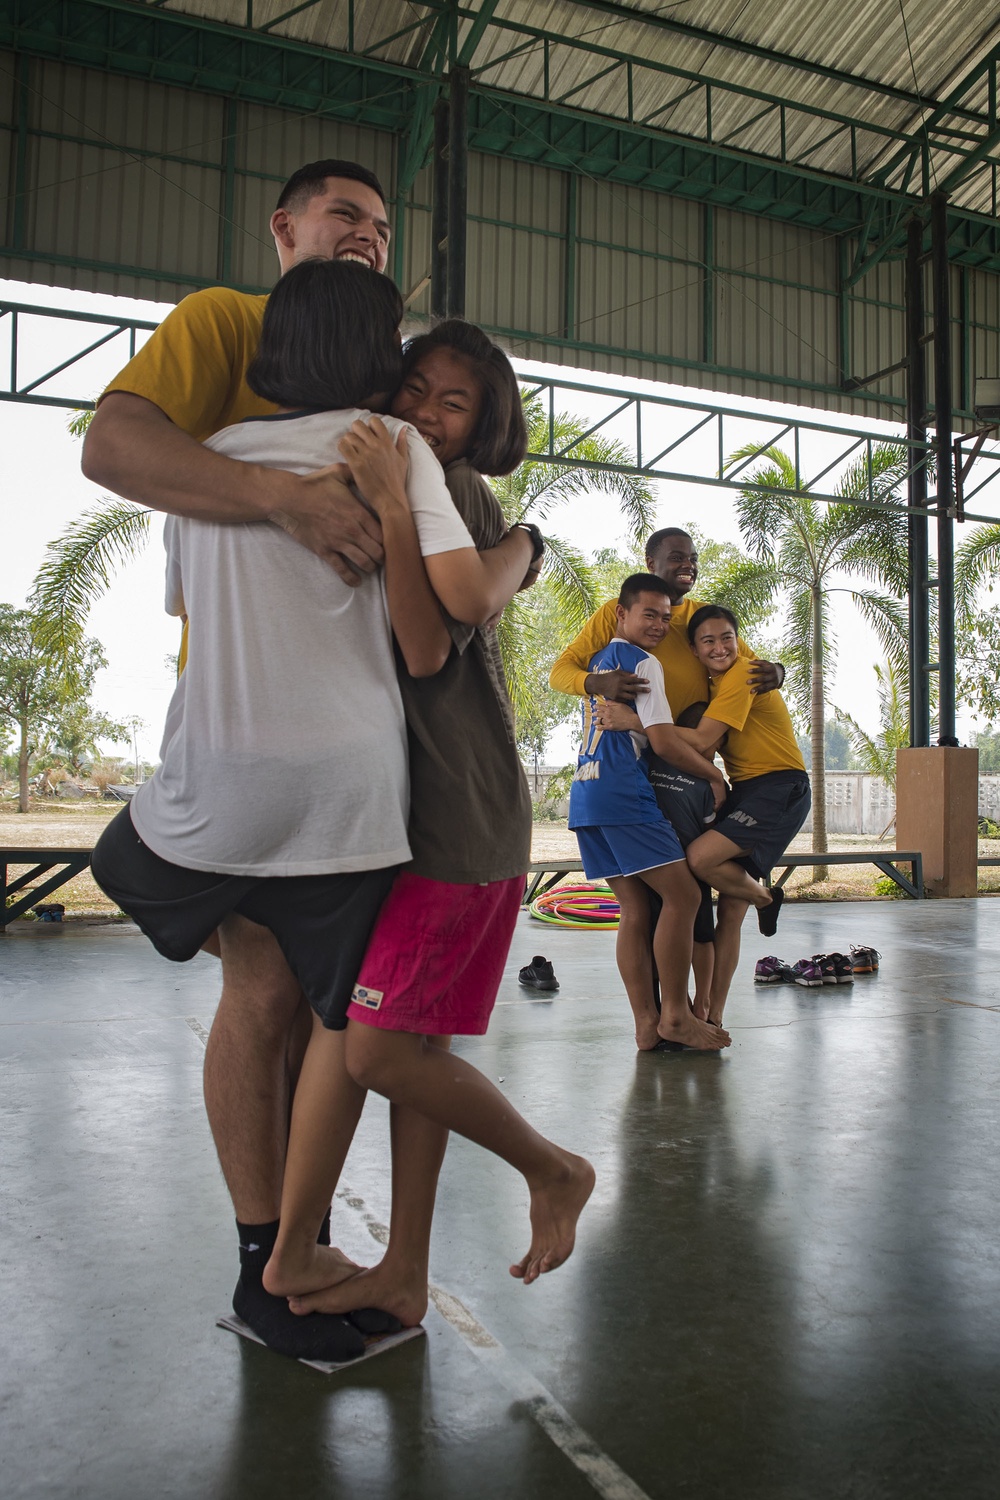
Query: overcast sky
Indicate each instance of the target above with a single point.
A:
(44, 490)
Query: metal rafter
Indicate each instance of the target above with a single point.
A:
(171, 47)
(658, 426)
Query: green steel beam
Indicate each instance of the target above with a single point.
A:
(140, 41)
(751, 49)
(638, 409)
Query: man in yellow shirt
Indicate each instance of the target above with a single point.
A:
(146, 442)
(671, 555)
(146, 439)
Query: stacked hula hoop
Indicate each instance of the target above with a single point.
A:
(590, 904)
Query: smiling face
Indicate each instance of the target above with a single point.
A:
(715, 646)
(676, 562)
(346, 221)
(442, 397)
(646, 621)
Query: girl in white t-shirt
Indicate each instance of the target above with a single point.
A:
(435, 960)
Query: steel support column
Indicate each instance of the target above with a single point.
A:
(916, 431)
(945, 470)
(458, 187)
(439, 213)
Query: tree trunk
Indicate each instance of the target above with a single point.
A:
(817, 716)
(22, 770)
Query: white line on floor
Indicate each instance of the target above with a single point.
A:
(597, 1467)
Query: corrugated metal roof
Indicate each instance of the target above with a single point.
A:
(922, 48)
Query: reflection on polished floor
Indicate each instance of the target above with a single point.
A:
(787, 1285)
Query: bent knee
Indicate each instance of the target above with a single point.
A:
(366, 1058)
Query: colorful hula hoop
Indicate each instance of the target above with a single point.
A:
(589, 905)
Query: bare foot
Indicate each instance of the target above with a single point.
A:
(392, 1291)
(307, 1270)
(646, 1035)
(555, 1207)
(701, 1035)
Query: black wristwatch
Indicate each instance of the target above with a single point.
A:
(537, 540)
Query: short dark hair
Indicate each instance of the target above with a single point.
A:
(711, 612)
(308, 181)
(690, 717)
(640, 583)
(500, 440)
(659, 537)
(328, 338)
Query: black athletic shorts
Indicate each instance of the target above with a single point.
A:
(763, 815)
(322, 922)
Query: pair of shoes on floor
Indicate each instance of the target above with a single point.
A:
(538, 975)
(865, 960)
(822, 968)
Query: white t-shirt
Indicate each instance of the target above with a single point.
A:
(284, 749)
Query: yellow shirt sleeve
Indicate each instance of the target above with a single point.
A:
(572, 668)
(194, 365)
(731, 698)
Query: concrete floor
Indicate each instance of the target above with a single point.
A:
(786, 1285)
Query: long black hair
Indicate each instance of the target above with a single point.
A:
(329, 337)
(500, 440)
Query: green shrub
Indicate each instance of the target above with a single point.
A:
(886, 886)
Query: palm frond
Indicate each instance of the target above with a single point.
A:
(80, 565)
(889, 618)
(573, 583)
(977, 562)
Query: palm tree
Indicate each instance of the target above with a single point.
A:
(877, 752)
(532, 493)
(81, 564)
(799, 548)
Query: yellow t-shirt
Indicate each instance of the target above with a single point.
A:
(194, 365)
(761, 738)
(685, 679)
(194, 369)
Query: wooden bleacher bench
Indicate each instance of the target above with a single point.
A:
(886, 860)
(70, 862)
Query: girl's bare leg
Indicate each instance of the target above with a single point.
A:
(712, 857)
(703, 964)
(326, 1109)
(727, 952)
(411, 1072)
(398, 1284)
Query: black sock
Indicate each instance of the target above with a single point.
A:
(314, 1336)
(323, 1238)
(767, 916)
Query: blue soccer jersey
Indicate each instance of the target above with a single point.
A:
(611, 784)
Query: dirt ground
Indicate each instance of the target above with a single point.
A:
(51, 825)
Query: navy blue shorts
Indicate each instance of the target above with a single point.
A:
(763, 815)
(321, 922)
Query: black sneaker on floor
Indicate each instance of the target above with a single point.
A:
(825, 965)
(865, 960)
(538, 975)
(843, 967)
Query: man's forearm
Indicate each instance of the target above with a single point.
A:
(568, 675)
(134, 449)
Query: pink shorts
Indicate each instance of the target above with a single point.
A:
(434, 962)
